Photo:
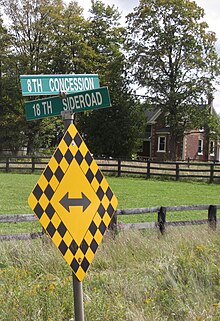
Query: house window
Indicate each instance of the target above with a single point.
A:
(161, 144)
(200, 147)
(212, 148)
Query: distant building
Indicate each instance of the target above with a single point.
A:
(196, 144)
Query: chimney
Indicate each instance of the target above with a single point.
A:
(210, 102)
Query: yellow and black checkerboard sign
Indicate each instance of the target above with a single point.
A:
(74, 202)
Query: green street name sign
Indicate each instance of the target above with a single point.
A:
(35, 85)
(75, 102)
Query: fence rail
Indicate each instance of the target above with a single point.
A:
(149, 168)
(115, 226)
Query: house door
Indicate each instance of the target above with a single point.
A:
(218, 154)
(146, 148)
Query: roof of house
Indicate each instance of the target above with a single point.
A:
(152, 114)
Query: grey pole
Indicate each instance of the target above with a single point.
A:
(68, 118)
(78, 299)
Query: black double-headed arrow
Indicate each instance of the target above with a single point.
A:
(66, 202)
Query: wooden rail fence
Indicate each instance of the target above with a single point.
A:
(148, 168)
(161, 223)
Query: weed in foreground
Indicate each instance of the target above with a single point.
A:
(137, 276)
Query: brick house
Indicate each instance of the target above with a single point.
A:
(196, 144)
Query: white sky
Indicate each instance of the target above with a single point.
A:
(212, 17)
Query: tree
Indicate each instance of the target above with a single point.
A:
(46, 38)
(114, 131)
(173, 56)
(11, 121)
(4, 48)
(68, 47)
(49, 37)
(29, 25)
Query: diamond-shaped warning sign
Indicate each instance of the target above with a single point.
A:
(74, 202)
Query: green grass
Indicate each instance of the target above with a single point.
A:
(15, 189)
(134, 193)
(137, 276)
(131, 193)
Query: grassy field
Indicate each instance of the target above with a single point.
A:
(131, 193)
(135, 276)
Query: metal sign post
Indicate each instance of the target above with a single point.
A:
(78, 299)
(75, 213)
(68, 118)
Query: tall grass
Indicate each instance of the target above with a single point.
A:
(136, 276)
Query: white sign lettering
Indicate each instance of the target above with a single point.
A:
(82, 101)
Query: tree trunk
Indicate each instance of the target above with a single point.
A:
(176, 145)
